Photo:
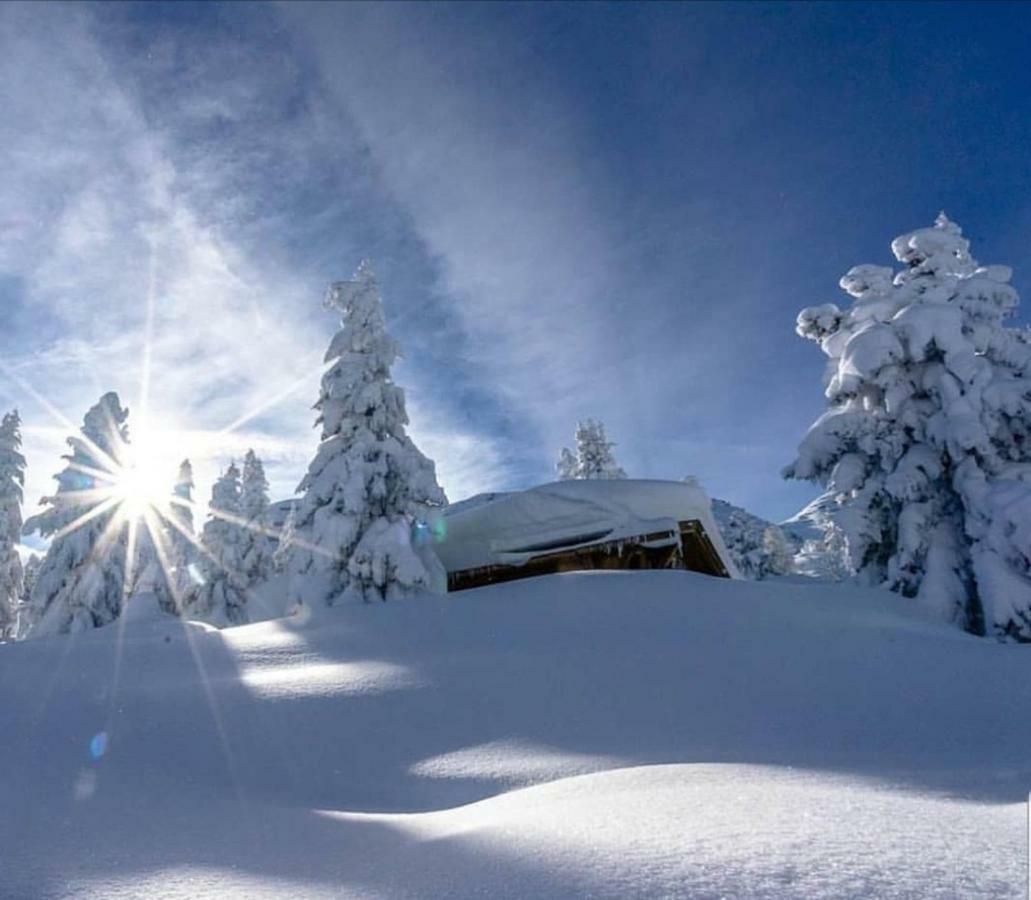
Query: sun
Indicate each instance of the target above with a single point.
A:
(141, 483)
(138, 489)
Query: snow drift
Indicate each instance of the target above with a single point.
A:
(605, 734)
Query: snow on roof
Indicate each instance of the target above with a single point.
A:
(512, 528)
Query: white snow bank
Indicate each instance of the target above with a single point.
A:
(726, 831)
(512, 762)
(608, 734)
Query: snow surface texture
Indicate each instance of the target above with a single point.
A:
(615, 735)
(925, 448)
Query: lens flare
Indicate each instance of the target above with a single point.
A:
(98, 745)
(420, 533)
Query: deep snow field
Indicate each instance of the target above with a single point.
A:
(617, 734)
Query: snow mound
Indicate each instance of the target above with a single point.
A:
(607, 734)
(694, 831)
(142, 615)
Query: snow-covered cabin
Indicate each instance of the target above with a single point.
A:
(579, 525)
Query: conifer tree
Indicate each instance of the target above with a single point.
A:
(925, 448)
(81, 582)
(777, 553)
(593, 457)
(254, 507)
(567, 465)
(758, 547)
(221, 598)
(182, 551)
(12, 482)
(30, 571)
(824, 555)
(368, 479)
(147, 574)
(285, 542)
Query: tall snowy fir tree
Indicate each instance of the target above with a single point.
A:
(221, 597)
(12, 482)
(777, 552)
(820, 549)
(147, 574)
(81, 583)
(824, 556)
(285, 542)
(567, 465)
(924, 451)
(593, 457)
(254, 507)
(150, 544)
(24, 617)
(368, 480)
(181, 548)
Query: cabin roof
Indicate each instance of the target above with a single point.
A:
(513, 528)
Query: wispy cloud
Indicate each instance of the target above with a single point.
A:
(106, 204)
(102, 216)
(505, 193)
(543, 257)
(544, 237)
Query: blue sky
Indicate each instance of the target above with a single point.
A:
(574, 210)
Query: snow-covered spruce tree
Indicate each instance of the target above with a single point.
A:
(567, 465)
(147, 573)
(924, 450)
(181, 549)
(819, 544)
(221, 598)
(150, 541)
(253, 488)
(29, 573)
(368, 480)
(824, 556)
(12, 482)
(777, 553)
(593, 457)
(80, 584)
(254, 507)
(758, 547)
(285, 543)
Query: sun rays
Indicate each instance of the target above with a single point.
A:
(118, 480)
(125, 487)
(119, 484)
